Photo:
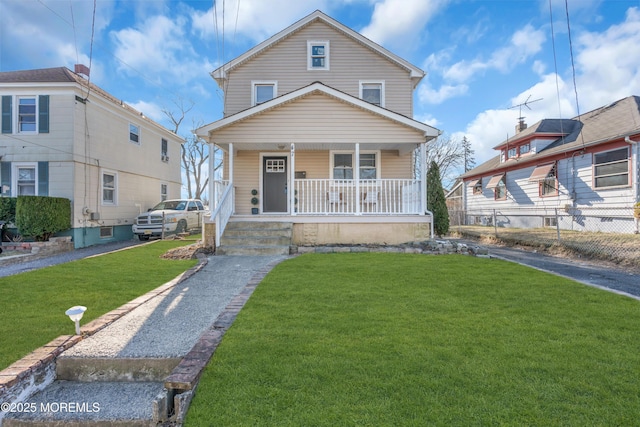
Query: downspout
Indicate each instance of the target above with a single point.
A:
(629, 141)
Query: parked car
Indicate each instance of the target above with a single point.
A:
(171, 216)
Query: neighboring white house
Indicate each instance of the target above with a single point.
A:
(574, 165)
(318, 131)
(62, 136)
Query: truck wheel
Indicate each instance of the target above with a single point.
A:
(181, 227)
(142, 237)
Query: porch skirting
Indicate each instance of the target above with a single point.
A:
(351, 230)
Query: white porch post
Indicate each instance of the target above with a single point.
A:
(231, 172)
(423, 178)
(356, 177)
(213, 196)
(292, 182)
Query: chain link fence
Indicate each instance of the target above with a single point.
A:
(603, 233)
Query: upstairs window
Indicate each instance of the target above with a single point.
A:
(263, 92)
(372, 92)
(525, 148)
(27, 114)
(318, 55)
(611, 168)
(164, 150)
(134, 134)
(512, 153)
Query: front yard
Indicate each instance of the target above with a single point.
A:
(33, 303)
(394, 339)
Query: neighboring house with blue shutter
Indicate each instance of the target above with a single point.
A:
(62, 136)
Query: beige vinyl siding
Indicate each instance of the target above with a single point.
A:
(396, 166)
(350, 62)
(318, 119)
(246, 169)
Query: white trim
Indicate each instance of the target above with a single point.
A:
(372, 82)
(355, 162)
(327, 51)
(14, 176)
(16, 115)
(429, 132)
(261, 180)
(220, 73)
(104, 172)
(254, 83)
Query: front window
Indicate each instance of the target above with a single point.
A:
(477, 187)
(548, 186)
(372, 92)
(318, 55)
(26, 180)
(343, 164)
(27, 114)
(108, 188)
(501, 190)
(163, 192)
(525, 148)
(134, 134)
(611, 168)
(513, 152)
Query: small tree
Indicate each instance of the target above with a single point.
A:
(469, 161)
(436, 202)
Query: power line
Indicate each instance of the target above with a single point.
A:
(573, 66)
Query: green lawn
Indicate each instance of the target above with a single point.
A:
(392, 339)
(33, 303)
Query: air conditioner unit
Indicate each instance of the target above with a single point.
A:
(94, 216)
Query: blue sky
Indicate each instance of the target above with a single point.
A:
(481, 57)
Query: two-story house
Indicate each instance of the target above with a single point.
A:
(586, 167)
(63, 136)
(318, 131)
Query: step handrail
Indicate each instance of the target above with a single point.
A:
(222, 212)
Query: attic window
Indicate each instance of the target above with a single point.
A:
(372, 92)
(318, 55)
(263, 92)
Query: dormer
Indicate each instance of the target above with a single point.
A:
(534, 139)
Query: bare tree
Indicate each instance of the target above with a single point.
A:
(194, 153)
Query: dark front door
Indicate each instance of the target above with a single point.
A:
(274, 179)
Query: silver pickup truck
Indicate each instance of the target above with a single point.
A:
(170, 216)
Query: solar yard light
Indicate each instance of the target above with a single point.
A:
(75, 314)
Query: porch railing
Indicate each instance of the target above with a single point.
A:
(366, 197)
(223, 207)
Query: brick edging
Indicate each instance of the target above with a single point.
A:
(35, 364)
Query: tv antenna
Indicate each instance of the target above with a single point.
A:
(521, 126)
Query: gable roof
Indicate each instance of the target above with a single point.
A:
(317, 87)
(220, 74)
(64, 75)
(609, 123)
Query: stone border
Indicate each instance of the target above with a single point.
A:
(36, 370)
(183, 381)
(432, 247)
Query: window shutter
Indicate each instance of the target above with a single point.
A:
(43, 108)
(6, 114)
(43, 178)
(5, 178)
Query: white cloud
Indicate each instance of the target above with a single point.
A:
(607, 62)
(160, 50)
(255, 20)
(151, 110)
(427, 94)
(396, 21)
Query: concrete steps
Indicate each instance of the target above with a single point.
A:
(102, 403)
(256, 238)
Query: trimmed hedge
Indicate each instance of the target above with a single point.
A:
(8, 209)
(40, 217)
